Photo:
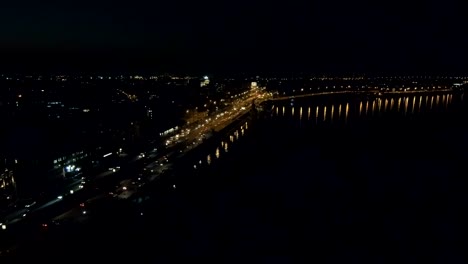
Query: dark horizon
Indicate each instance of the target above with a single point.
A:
(45, 65)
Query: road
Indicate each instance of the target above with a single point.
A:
(189, 137)
(79, 213)
(193, 135)
(108, 184)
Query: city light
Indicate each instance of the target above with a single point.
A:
(70, 168)
(198, 125)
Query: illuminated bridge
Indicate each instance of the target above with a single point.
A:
(341, 109)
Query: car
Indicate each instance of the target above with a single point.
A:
(25, 213)
(25, 203)
(30, 204)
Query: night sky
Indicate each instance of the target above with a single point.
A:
(200, 36)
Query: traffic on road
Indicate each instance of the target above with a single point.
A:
(86, 194)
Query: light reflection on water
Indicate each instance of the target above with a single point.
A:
(420, 100)
(316, 114)
(375, 107)
(332, 112)
(380, 104)
(406, 104)
(339, 112)
(324, 113)
(442, 102)
(347, 108)
(225, 145)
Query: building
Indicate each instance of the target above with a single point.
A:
(205, 81)
(8, 192)
(253, 85)
(70, 164)
(149, 113)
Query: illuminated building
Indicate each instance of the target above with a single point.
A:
(7, 188)
(69, 164)
(205, 81)
(149, 113)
